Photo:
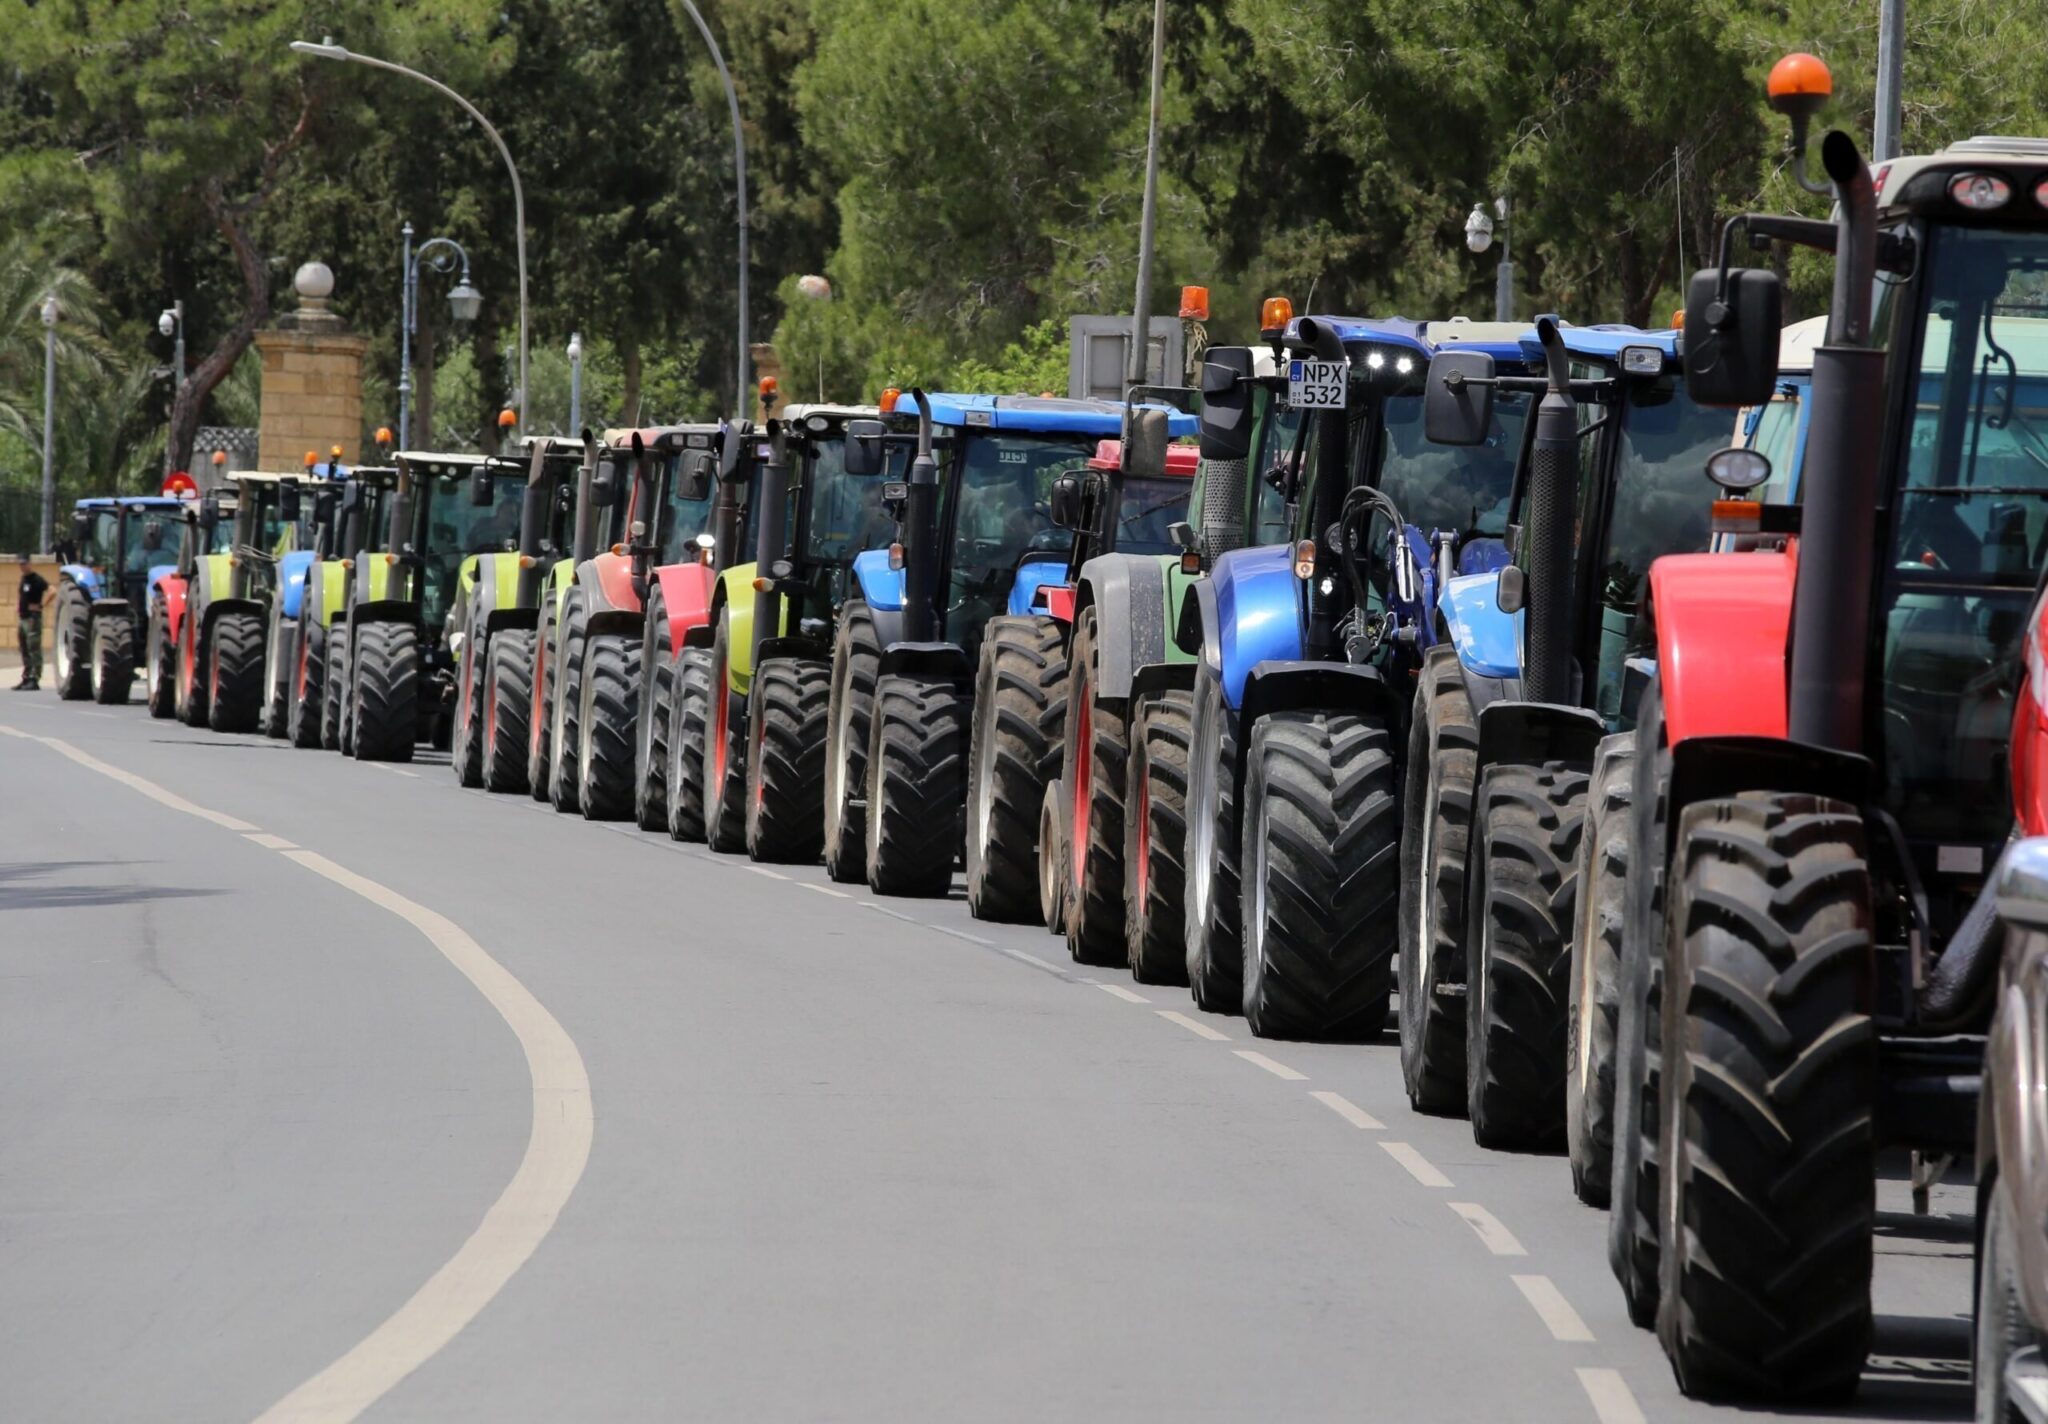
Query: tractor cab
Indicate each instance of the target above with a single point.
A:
(121, 543)
(454, 510)
(834, 514)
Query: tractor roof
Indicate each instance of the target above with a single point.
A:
(263, 477)
(441, 463)
(1796, 344)
(1181, 460)
(1044, 414)
(1355, 330)
(1502, 340)
(700, 436)
(1606, 342)
(131, 501)
(794, 413)
(1920, 181)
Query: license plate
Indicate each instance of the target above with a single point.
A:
(1316, 385)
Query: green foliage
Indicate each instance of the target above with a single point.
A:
(1034, 365)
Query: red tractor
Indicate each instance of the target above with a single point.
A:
(1821, 765)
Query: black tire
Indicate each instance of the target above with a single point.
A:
(1443, 757)
(508, 710)
(160, 666)
(687, 720)
(113, 659)
(540, 700)
(657, 706)
(1052, 857)
(722, 752)
(1768, 1101)
(1155, 838)
(280, 647)
(1320, 856)
(1589, 1038)
(192, 675)
(856, 660)
(2002, 1326)
(917, 785)
(303, 700)
(334, 695)
(384, 692)
(466, 744)
(565, 704)
(608, 722)
(785, 788)
(234, 672)
(72, 651)
(1215, 949)
(1097, 748)
(1020, 711)
(1518, 951)
(1632, 1228)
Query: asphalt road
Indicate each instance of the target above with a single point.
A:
(330, 1089)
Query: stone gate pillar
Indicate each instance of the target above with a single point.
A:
(312, 379)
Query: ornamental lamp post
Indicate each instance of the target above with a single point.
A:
(464, 302)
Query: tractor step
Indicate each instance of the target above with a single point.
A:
(1927, 1092)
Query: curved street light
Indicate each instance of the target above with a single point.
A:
(741, 388)
(327, 49)
(464, 302)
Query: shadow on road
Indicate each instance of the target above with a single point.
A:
(15, 894)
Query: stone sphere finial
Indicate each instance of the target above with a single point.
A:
(314, 282)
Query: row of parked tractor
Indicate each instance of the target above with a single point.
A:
(1668, 795)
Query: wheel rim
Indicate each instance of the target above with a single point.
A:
(721, 717)
(462, 713)
(1425, 923)
(984, 784)
(760, 741)
(1202, 812)
(535, 732)
(98, 662)
(1255, 918)
(1141, 807)
(1084, 774)
(842, 748)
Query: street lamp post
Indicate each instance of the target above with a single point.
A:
(575, 383)
(742, 388)
(1479, 231)
(172, 324)
(50, 312)
(818, 289)
(327, 49)
(1141, 306)
(464, 301)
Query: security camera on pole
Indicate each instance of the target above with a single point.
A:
(1479, 231)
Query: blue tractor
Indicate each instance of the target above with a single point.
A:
(121, 546)
(1307, 651)
(1546, 657)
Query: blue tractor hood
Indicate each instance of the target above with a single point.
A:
(1045, 415)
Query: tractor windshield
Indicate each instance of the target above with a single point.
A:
(152, 540)
(1149, 507)
(682, 520)
(1968, 531)
(456, 529)
(1003, 489)
(1460, 490)
(846, 514)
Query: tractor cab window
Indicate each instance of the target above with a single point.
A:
(103, 545)
(1003, 491)
(1148, 507)
(152, 540)
(1462, 490)
(1968, 527)
(262, 527)
(1279, 426)
(682, 520)
(1777, 431)
(457, 529)
(846, 514)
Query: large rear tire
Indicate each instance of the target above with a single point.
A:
(234, 672)
(1020, 709)
(508, 710)
(1768, 1101)
(1155, 839)
(308, 678)
(565, 705)
(1443, 756)
(279, 649)
(657, 707)
(785, 790)
(1596, 971)
(113, 659)
(856, 661)
(1518, 954)
(334, 696)
(384, 692)
(1214, 950)
(686, 734)
(72, 652)
(191, 674)
(540, 703)
(608, 723)
(466, 744)
(1097, 747)
(723, 752)
(161, 666)
(1321, 861)
(917, 785)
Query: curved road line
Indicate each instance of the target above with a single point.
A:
(524, 1213)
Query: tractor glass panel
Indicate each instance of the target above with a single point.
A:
(152, 540)
(1149, 506)
(104, 541)
(1004, 512)
(1968, 532)
(1462, 490)
(1278, 431)
(1779, 435)
(682, 520)
(262, 527)
(847, 515)
(457, 529)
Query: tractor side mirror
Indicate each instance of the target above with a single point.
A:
(1145, 442)
(694, 473)
(209, 514)
(81, 527)
(864, 448)
(1065, 499)
(730, 448)
(1731, 338)
(604, 484)
(1457, 402)
(1738, 470)
(1182, 534)
(290, 506)
(351, 497)
(1226, 423)
(482, 486)
(323, 508)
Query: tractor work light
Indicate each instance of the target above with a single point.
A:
(1980, 192)
(1305, 560)
(1274, 314)
(312, 459)
(1374, 360)
(896, 558)
(1799, 83)
(1194, 303)
(1642, 360)
(763, 584)
(1404, 365)
(889, 398)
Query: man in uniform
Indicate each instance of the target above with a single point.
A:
(35, 589)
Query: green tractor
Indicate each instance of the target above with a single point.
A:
(219, 625)
(313, 719)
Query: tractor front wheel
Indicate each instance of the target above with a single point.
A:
(1155, 839)
(161, 664)
(1215, 956)
(722, 753)
(856, 661)
(113, 659)
(508, 707)
(1052, 857)
(689, 712)
(1595, 972)
(785, 791)
(465, 742)
(657, 708)
(334, 695)
(234, 672)
(1443, 759)
(309, 668)
(565, 705)
(1020, 709)
(278, 667)
(384, 701)
(917, 774)
(1096, 748)
(73, 650)
(609, 719)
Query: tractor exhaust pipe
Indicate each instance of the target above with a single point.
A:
(583, 542)
(1547, 531)
(768, 547)
(1837, 547)
(533, 516)
(920, 521)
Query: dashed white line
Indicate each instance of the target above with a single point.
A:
(1497, 1238)
(892, 914)
(136, 783)
(1278, 1070)
(1121, 992)
(268, 841)
(765, 871)
(108, 715)
(1033, 960)
(1351, 1112)
(1194, 1026)
(825, 890)
(1554, 1310)
(958, 934)
(394, 770)
(1419, 1167)
(1613, 1401)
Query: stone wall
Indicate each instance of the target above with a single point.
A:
(312, 396)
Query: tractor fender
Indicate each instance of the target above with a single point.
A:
(932, 661)
(888, 624)
(170, 592)
(217, 607)
(326, 590)
(1032, 575)
(1163, 677)
(1250, 612)
(376, 578)
(511, 618)
(1709, 767)
(103, 607)
(880, 585)
(1128, 592)
(493, 577)
(86, 577)
(384, 610)
(798, 646)
(608, 581)
(1721, 622)
(734, 601)
(1531, 733)
(1313, 686)
(1488, 641)
(292, 570)
(687, 591)
(213, 575)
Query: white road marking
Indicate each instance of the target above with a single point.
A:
(394, 770)
(1278, 1070)
(1194, 1026)
(1497, 1238)
(1419, 1167)
(892, 914)
(1033, 960)
(108, 715)
(1613, 1401)
(557, 1147)
(764, 870)
(268, 841)
(825, 890)
(960, 934)
(1121, 992)
(1555, 1311)
(1351, 1112)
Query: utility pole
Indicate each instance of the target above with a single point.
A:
(50, 312)
(1141, 307)
(1891, 45)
